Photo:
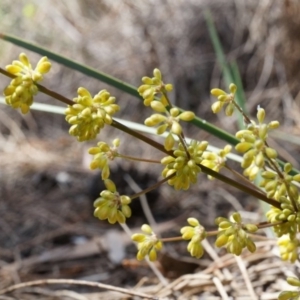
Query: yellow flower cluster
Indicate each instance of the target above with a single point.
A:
(102, 155)
(89, 115)
(154, 88)
(148, 243)
(276, 186)
(169, 122)
(19, 93)
(195, 233)
(233, 234)
(288, 248)
(224, 99)
(111, 206)
(184, 165)
(289, 218)
(253, 144)
(215, 161)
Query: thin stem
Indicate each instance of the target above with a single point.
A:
(168, 100)
(138, 159)
(267, 224)
(43, 89)
(172, 239)
(215, 232)
(246, 189)
(153, 187)
(85, 283)
(246, 118)
(141, 137)
(240, 177)
(183, 143)
(212, 233)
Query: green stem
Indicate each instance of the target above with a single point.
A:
(43, 89)
(125, 87)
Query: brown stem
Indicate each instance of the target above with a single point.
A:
(240, 177)
(43, 89)
(183, 143)
(172, 239)
(153, 187)
(138, 159)
(140, 137)
(242, 112)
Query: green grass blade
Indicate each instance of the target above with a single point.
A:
(125, 87)
(226, 70)
(240, 94)
(216, 131)
(111, 81)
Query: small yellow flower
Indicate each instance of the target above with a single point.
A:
(195, 233)
(89, 115)
(148, 243)
(184, 165)
(253, 145)
(19, 93)
(288, 218)
(233, 235)
(169, 122)
(288, 248)
(224, 99)
(111, 205)
(153, 88)
(276, 186)
(102, 155)
(215, 161)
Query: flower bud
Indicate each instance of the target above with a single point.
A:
(158, 106)
(260, 114)
(216, 107)
(157, 74)
(243, 147)
(294, 281)
(217, 92)
(232, 88)
(229, 109)
(271, 153)
(147, 80)
(187, 116)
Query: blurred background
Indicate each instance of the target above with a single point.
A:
(46, 187)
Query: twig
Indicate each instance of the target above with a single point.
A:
(143, 199)
(220, 288)
(245, 275)
(74, 282)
